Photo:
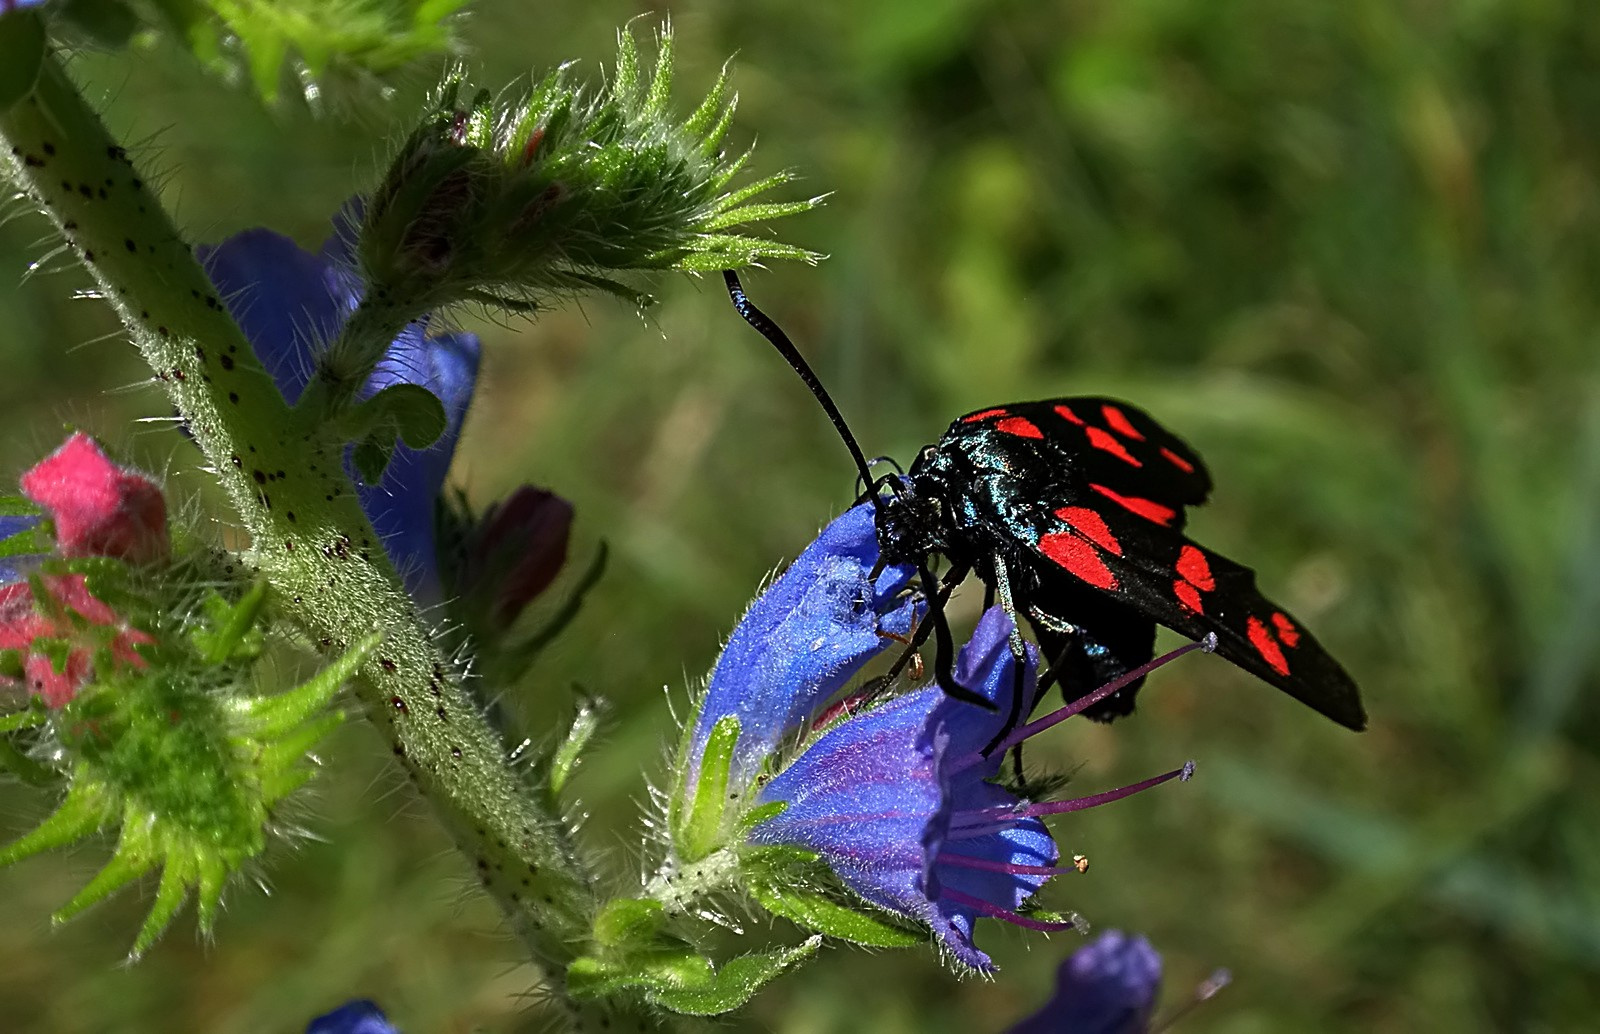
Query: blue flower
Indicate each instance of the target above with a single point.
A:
(895, 800)
(14, 568)
(290, 303)
(361, 1016)
(1108, 986)
(801, 641)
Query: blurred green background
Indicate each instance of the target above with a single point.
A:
(1350, 250)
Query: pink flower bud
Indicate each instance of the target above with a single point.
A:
(99, 508)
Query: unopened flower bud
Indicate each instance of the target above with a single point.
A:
(512, 554)
(99, 508)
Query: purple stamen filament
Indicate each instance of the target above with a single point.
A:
(968, 862)
(962, 822)
(996, 912)
(1208, 644)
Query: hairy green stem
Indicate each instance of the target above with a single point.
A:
(351, 357)
(309, 537)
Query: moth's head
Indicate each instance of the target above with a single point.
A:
(910, 521)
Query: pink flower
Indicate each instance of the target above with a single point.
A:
(99, 508)
(23, 622)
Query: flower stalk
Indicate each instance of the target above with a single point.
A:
(309, 538)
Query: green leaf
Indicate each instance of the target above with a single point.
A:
(735, 983)
(22, 43)
(702, 827)
(591, 977)
(415, 413)
(629, 923)
(682, 980)
(371, 457)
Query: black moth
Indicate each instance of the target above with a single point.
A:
(1071, 511)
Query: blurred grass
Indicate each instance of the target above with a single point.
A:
(1349, 250)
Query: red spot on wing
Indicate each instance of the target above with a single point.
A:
(1105, 440)
(1020, 426)
(1261, 638)
(1287, 633)
(1078, 556)
(1069, 416)
(972, 418)
(1149, 509)
(1119, 423)
(1177, 461)
(1091, 526)
(1188, 595)
(1193, 568)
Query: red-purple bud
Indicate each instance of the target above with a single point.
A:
(99, 508)
(518, 548)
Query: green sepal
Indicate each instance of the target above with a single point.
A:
(736, 982)
(682, 980)
(630, 925)
(230, 632)
(510, 661)
(39, 539)
(18, 506)
(25, 768)
(22, 46)
(190, 772)
(30, 717)
(700, 831)
(756, 816)
(787, 882)
(566, 757)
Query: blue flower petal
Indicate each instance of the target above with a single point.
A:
(361, 1016)
(861, 797)
(1108, 986)
(881, 799)
(401, 506)
(986, 667)
(1018, 842)
(15, 568)
(802, 640)
(288, 302)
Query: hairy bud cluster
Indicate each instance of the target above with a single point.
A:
(135, 687)
(507, 202)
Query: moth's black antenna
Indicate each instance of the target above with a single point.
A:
(774, 333)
